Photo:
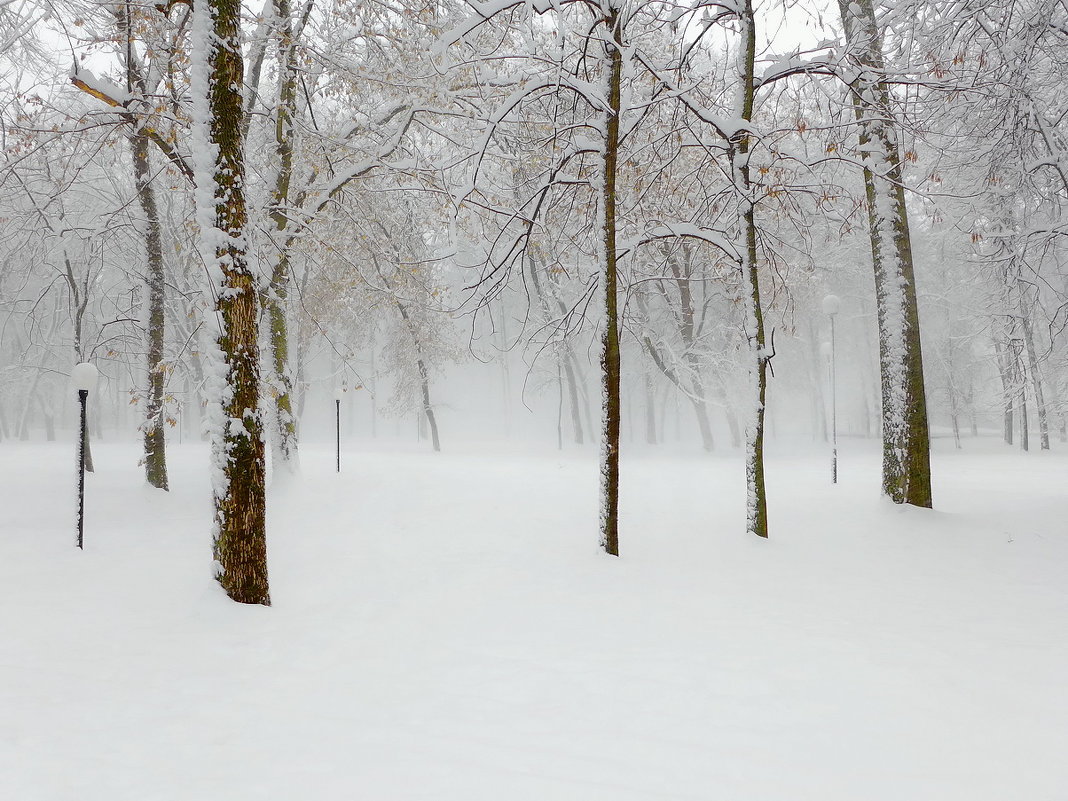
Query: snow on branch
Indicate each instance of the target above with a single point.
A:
(680, 230)
(117, 97)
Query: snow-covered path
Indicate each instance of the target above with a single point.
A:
(445, 628)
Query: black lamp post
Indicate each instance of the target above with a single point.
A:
(339, 393)
(831, 305)
(83, 377)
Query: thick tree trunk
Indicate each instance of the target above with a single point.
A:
(906, 443)
(610, 361)
(240, 541)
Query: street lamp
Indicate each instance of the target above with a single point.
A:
(831, 305)
(83, 377)
(339, 393)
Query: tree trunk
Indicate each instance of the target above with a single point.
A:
(906, 442)
(563, 353)
(610, 361)
(275, 300)
(424, 374)
(428, 408)
(757, 505)
(1005, 371)
(573, 395)
(155, 442)
(50, 424)
(704, 425)
(650, 410)
(1036, 382)
(240, 542)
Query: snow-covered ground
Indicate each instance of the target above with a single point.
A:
(445, 628)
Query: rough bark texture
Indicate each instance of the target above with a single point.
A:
(610, 335)
(906, 442)
(240, 514)
(155, 439)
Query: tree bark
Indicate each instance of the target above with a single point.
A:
(275, 299)
(610, 357)
(240, 541)
(757, 505)
(906, 440)
(155, 442)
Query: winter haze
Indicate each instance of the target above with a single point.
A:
(588, 399)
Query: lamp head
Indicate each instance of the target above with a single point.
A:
(831, 305)
(83, 376)
(339, 393)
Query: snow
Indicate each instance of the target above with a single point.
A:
(445, 627)
(100, 86)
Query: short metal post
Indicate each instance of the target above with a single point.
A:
(83, 395)
(834, 409)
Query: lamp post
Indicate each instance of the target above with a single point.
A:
(83, 377)
(831, 305)
(339, 393)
